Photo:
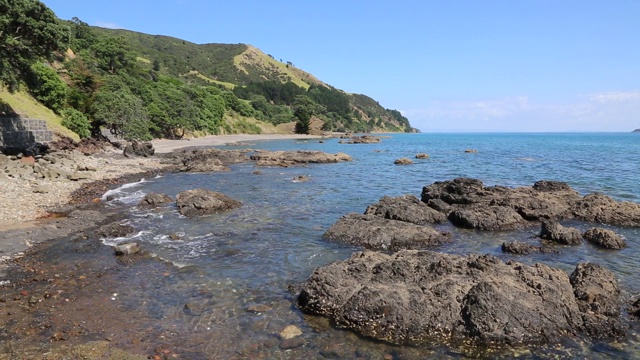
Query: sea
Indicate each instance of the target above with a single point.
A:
(239, 267)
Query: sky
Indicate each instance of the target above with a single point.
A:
(449, 65)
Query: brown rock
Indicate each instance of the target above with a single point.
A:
(604, 238)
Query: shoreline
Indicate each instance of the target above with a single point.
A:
(164, 146)
(26, 209)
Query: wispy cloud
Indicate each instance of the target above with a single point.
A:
(108, 25)
(617, 96)
(607, 111)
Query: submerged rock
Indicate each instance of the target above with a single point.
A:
(521, 248)
(403, 161)
(374, 232)
(604, 238)
(202, 201)
(416, 296)
(422, 156)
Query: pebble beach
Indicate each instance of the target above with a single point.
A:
(23, 200)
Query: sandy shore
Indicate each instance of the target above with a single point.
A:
(165, 145)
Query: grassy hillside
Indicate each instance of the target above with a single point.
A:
(142, 86)
(233, 65)
(26, 106)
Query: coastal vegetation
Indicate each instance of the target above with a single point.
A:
(140, 86)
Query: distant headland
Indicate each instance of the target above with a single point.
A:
(636, 130)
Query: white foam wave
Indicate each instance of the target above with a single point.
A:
(120, 190)
(121, 240)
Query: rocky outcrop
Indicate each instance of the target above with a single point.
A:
(418, 296)
(140, 149)
(202, 201)
(291, 158)
(403, 161)
(598, 297)
(603, 209)
(604, 238)
(544, 200)
(207, 160)
(115, 230)
(364, 139)
(405, 208)
(153, 200)
(422, 156)
(522, 248)
(374, 232)
(88, 146)
(487, 218)
(553, 231)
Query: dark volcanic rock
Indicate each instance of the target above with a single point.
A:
(364, 139)
(403, 161)
(598, 296)
(152, 200)
(144, 149)
(521, 248)
(544, 200)
(202, 201)
(115, 230)
(405, 208)
(198, 164)
(208, 160)
(374, 232)
(604, 238)
(553, 231)
(289, 158)
(416, 296)
(487, 218)
(603, 209)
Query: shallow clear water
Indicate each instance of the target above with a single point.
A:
(250, 255)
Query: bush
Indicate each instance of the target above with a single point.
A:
(75, 121)
(47, 87)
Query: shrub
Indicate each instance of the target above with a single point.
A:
(77, 122)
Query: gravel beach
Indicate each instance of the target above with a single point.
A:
(22, 201)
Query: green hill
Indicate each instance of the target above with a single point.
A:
(238, 65)
(142, 86)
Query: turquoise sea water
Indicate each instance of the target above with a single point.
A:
(250, 255)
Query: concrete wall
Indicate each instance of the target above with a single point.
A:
(17, 131)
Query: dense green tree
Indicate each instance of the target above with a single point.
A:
(29, 31)
(83, 35)
(304, 108)
(113, 54)
(119, 110)
(77, 122)
(46, 86)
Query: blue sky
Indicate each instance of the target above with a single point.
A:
(492, 65)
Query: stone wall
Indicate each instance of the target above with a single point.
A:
(18, 132)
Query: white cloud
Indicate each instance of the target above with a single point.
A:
(618, 96)
(607, 111)
(107, 25)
